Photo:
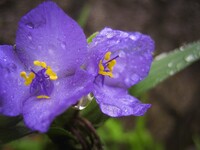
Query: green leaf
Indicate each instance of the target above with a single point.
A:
(90, 38)
(166, 65)
(84, 15)
(13, 133)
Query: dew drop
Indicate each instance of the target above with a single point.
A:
(182, 48)
(30, 25)
(109, 36)
(84, 102)
(161, 56)
(132, 37)
(171, 72)
(189, 58)
(4, 59)
(63, 45)
(135, 78)
(29, 37)
(122, 54)
(170, 64)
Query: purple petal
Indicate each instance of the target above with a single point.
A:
(116, 102)
(39, 113)
(133, 51)
(47, 34)
(12, 88)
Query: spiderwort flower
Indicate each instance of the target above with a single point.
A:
(119, 60)
(41, 77)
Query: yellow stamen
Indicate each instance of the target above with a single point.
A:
(28, 79)
(101, 67)
(107, 56)
(40, 64)
(43, 97)
(51, 74)
(106, 73)
(110, 65)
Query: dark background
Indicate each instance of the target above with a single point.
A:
(174, 118)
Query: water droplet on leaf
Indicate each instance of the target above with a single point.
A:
(189, 58)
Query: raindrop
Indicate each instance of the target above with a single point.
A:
(122, 54)
(30, 25)
(170, 64)
(132, 37)
(182, 48)
(84, 101)
(109, 36)
(29, 37)
(135, 78)
(4, 59)
(171, 72)
(63, 45)
(161, 56)
(189, 58)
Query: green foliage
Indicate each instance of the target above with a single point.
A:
(196, 140)
(90, 38)
(83, 17)
(35, 143)
(166, 65)
(139, 138)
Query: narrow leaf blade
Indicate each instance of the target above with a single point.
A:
(166, 65)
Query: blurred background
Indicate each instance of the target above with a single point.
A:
(173, 122)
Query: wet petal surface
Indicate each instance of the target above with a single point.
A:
(47, 34)
(116, 102)
(133, 53)
(12, 88)
(39, 113)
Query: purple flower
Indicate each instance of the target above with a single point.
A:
(119, 60)
(41, 77)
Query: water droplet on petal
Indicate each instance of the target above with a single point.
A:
(4, 59)
(84, 101)
(30, 25)
(135, 78)
(132, 37)
(63, 45)
(29, 37)
(122, 54)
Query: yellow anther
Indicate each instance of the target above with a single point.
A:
(43, 97)
(101, 67)
(106, 73)
(28, 79)
(40, 64)
(111, 64)
(107, 56)
(52, 75)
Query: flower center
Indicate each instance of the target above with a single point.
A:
(107, 64)
(40, 82)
